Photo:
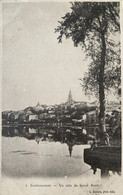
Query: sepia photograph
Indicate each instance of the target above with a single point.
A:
(61, 98)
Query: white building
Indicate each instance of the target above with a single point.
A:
(33, 117)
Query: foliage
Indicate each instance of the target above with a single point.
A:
(85, 25)
(112, 76)
(93, 26)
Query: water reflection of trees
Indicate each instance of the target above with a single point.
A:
(57, 134)
(62, 135)
(66, 136)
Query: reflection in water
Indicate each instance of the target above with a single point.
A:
(68, 136)
(36, 151)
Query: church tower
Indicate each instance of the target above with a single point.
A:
(38, 104)
(70, 99)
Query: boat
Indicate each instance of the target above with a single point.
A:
(104, 158)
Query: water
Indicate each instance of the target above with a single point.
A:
(41, 152)
(37, 152)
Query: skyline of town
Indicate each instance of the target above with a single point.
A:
(89, 100)
(70, 98)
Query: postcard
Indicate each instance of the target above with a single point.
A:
(61, 107)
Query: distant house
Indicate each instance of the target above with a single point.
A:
(9, 114)
(84, 131)
(11, 117)
(33, 117)
(22, 118)
(84, 116)
(52, 116)
(51, 111)
(6, 116)
(16, 115)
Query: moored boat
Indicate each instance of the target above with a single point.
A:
(104, 158)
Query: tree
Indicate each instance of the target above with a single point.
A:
(93, 25)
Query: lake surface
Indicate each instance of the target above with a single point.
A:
(44, 153)
(33, 152)
(26, 158)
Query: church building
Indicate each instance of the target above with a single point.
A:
(70, 99)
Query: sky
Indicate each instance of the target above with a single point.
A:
(35, 67)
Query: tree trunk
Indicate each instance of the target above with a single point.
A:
(102, 87)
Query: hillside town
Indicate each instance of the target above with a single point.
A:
(78, 115)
